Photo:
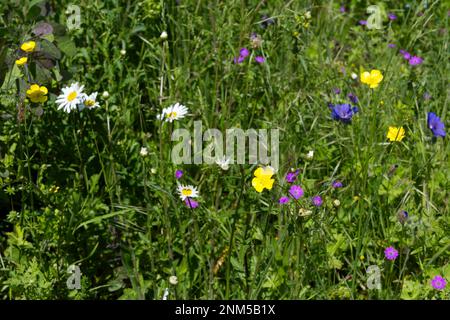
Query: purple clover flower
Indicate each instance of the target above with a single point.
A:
(342, 9)
(337, 184)
(405, 54)
(190, 203)
(178, 174)
(438, 283)
(283, 200)
(343, 112)
(436, 125)
(292, 176)
(392, 16)
(260, 59)
(296, 192)
(390, 253)
(415, 60)
(317, 201)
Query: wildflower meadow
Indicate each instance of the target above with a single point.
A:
(224, 150)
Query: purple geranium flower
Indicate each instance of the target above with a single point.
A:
(353, 98)
(415, 60)
(317, 201)
(296, 192)
(337, 184)
(178, 174)
(391, 45)
(438, 283)
(392, 16)
(436, 125)
(363, 22)
(337, 90)
(283, 200)
(191, 203)
(260, 59)
(291, 176)
(390, 253)
(405, 54)
(343, 112)
(342, 9)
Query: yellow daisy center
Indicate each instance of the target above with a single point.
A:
(89, 103)
(186, 192)
(173, 114)
(72, 96)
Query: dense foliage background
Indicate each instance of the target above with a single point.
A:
(75, 189)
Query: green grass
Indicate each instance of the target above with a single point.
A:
(117, 214)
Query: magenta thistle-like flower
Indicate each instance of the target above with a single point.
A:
(283, 200)
(260, 59)
(317, 201)
(390, 253)
(178, 174)
(415, 60)
(292, 176)
(438, 283)
(190, 203)
(296, 192)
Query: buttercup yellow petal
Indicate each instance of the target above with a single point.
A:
(256, 183)
(43, 90)
(365, 77)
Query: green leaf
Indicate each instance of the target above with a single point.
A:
(67, 46)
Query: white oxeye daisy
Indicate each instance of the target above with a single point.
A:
(174, 112)
(90, 101)
(187, 191)
(223, 162)
(70, 97)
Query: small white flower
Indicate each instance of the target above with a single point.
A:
(310, 155)
(336, 203)
(105, 94)
(174, 112)
(163, 35)
(223, 162)
(90, 101)
(173, 280)
(153, 170)
(187, 191)
(354, 76)
(144, 151)
(71, 96)
(123, 52)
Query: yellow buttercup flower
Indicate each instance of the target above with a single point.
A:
(37, 94)
(28, 46)
(396, 134)
(21, 61)
(263, 179)
(372, 78)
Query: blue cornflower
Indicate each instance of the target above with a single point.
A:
(343, 112)
(436, 125)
